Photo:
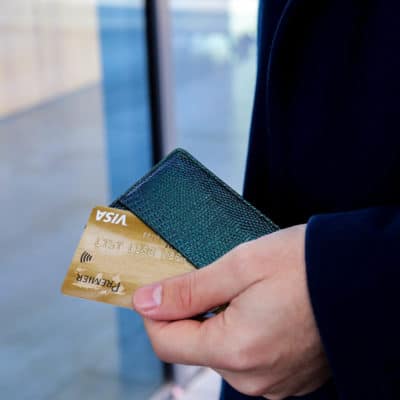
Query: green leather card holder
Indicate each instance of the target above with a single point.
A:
(193, 210)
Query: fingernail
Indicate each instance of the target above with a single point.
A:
(148, 298)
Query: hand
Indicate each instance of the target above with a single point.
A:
(266, 342)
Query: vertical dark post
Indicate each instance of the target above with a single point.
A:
(159, 55)
(154, 81)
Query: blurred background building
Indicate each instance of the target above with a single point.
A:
(78, 125)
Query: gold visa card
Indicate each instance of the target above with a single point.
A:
(117, 254)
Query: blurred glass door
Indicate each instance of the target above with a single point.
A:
(74, 133)
(214, 58)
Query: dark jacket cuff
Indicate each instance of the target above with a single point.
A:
(353, 272)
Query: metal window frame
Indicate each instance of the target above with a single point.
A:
(160, 75)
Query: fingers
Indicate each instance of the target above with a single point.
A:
(199, 291)
(176, 342)
(254, 385)
(243, 382)
(186, 342)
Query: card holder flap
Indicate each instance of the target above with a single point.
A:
(193, 210)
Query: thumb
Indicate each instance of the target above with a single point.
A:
(196, 292)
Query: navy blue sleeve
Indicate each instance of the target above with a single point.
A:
(353, 271)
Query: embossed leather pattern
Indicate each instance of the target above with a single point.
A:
(193, 210)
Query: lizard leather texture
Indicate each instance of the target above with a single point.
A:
(193, 210)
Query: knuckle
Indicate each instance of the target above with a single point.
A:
(274, 396)
(252, 391)
(234, 362)
(263, 388)
(160, 347)
(275, 359)
(273, 391)
(160, 351)
(250, 388)
(242, 251)
(240, 359)
(185, 291)
(241, 260)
